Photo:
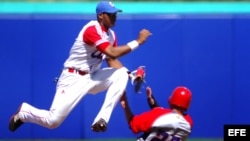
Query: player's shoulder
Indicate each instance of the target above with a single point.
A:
(91, 26)
(163, 109)
(189, 119)
(91, 30)
(91, 23)
(160, 111)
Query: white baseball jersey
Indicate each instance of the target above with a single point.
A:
(84, 54)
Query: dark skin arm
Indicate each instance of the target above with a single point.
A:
(108, 20)
(115, 52)
(128, 113)
(114, 63)
(151, 100)
(124, 103)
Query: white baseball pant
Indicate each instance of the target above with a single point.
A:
(71, 88)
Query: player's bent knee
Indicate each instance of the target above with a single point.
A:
(122, 73)
(53, 125)
(54, 122)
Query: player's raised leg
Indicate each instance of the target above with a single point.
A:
(65, 99)
(116, 84)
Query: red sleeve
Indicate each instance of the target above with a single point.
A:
(144, 121)
(189, 120)
(115, 42)
(90, 36)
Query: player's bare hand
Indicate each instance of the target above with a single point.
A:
(149, 92)
(149, 95)
(143, 35)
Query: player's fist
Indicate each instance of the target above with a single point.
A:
(143, 35)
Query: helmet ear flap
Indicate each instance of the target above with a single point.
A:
(180, 97)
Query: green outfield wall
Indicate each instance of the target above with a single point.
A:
(128, 7)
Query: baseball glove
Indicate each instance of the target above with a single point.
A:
(138, 78)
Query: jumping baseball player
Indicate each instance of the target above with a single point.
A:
(82, 74)
(162, 124)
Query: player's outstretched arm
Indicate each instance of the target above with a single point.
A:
(151, 100)
(114, 63)
(124, 103)
(115, 52)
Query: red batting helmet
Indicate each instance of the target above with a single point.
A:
(181, 97)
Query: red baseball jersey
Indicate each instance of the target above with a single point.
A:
(162, 125)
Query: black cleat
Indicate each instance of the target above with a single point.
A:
(100, 125)
(14, 123)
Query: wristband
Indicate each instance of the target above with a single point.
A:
(133, 44)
